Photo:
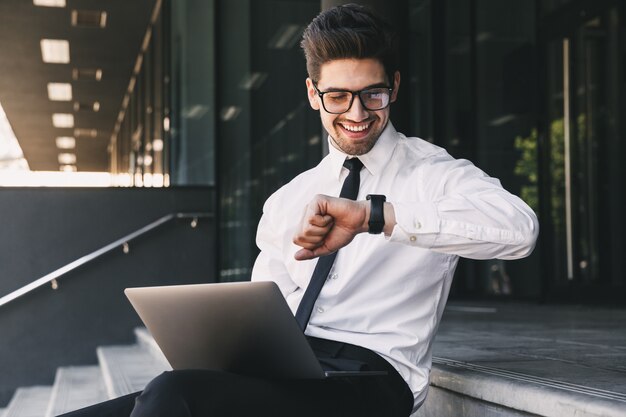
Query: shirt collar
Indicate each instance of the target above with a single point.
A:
(374, 161)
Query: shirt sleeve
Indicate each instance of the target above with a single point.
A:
(269, 265)
(468, 214)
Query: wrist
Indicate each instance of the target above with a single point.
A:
(366, 207)
(389, 215)
(390, 219)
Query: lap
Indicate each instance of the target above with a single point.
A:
(216, 393)
(208, 393)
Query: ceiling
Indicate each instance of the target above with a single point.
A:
(24, 76)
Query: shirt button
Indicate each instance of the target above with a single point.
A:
(320, 310)
(412, 238)
(334, 276)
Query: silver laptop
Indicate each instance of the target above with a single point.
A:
(240, 327)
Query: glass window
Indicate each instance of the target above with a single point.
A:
(506, 138)
(267, 132)
(192, 80)
(549, 6)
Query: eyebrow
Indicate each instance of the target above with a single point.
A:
(376, 85)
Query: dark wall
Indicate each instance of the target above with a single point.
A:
(44, 229)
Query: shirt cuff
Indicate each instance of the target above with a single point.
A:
(417, 224)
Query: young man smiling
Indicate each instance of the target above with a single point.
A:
(387, 215)
(394, 245)
(354, 132)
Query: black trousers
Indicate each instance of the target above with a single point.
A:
(203, 393)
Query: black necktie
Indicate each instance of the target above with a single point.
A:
(350, 189)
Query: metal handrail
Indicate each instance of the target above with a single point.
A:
(123, 242)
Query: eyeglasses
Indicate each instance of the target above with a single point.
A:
(340, 101)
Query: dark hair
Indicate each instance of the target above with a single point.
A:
(349, 31)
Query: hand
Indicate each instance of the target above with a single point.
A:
(329, 224)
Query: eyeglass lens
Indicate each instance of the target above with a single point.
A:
(372, 99)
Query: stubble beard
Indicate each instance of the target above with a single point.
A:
(346, 146)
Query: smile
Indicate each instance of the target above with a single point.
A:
(356, 128)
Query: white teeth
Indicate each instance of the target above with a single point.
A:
(356, 128)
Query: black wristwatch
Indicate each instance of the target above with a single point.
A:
(377, 214)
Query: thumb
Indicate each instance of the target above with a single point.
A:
(305, 254)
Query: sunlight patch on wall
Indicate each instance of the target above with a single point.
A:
(54, 179)
(11, 155)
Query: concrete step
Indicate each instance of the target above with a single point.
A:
(29, 402)
(128, 369)
(461, 389)
(508, 359)
(76, 387)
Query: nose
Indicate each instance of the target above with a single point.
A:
(357, 112)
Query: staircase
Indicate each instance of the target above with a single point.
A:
(122, 370)
(504, 361)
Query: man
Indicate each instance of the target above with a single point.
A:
(375, 298)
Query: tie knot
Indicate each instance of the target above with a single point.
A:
(353, 164)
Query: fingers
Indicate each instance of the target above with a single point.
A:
(328, 224)
(313, 232)
(321, 221)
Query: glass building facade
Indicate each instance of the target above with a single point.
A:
(531, 91)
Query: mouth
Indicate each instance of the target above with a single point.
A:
(355, 130)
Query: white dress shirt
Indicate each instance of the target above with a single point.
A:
(387, 293)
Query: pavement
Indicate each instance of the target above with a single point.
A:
(576, 352)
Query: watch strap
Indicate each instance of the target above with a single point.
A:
(377, 216)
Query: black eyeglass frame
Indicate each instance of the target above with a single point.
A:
(354, 93)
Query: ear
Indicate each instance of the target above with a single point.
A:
(312, 95)
(396, 86)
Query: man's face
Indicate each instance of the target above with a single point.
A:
(356, 131)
